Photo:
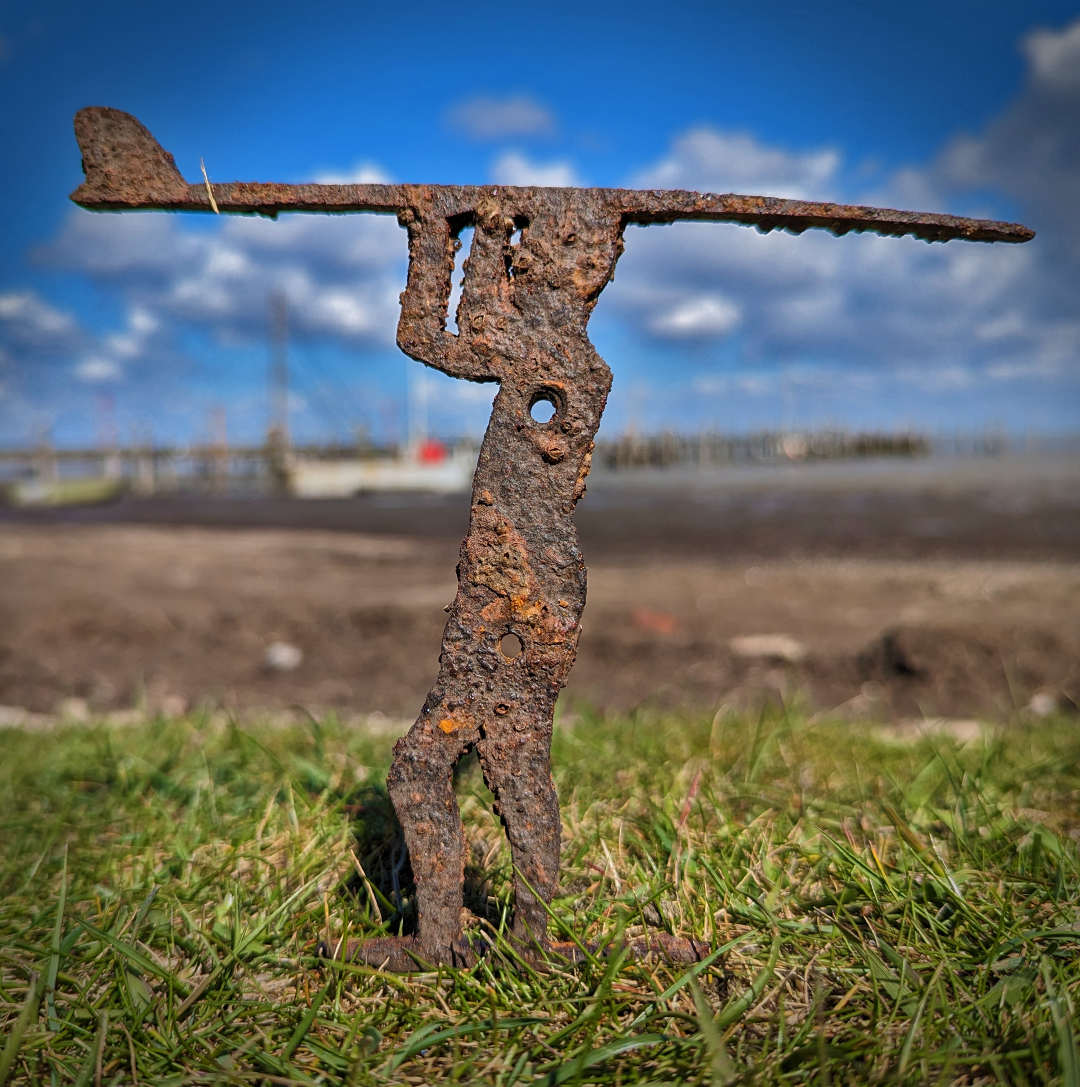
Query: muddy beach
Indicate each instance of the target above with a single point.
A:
(887, 589)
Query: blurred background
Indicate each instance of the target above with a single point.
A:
(838, 470)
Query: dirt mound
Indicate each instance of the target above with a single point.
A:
(948, 670)
(957, 670)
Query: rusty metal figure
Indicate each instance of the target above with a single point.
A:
(540, 258)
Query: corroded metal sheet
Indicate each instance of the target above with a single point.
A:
(540, 258)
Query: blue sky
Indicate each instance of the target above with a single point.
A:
(153, 323)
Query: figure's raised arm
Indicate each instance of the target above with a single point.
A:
(773, 213)
(126, 169)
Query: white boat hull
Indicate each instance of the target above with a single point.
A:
(345, 478)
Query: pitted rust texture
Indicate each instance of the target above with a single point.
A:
(540, 258)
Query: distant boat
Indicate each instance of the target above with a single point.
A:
(81, 491)
(427, 466)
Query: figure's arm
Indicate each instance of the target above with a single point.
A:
(127, 169)
(422, 332)
(772, 213)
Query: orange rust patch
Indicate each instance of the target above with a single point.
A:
(498, 555)
(448, 725)
(526, 610)
(496, 610)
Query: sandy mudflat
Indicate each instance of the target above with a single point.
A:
(953, 591)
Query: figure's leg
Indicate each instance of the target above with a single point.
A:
(421, 788)
(517, 770)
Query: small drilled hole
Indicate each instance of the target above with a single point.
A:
(543, 411)
(510, 646)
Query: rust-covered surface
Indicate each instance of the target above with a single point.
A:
(540, 258)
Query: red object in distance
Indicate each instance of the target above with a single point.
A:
(431, 452)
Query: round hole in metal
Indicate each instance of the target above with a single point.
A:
(543, 411)
(510, 646)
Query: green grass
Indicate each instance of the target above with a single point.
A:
(890, 913)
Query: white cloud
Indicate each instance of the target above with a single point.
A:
(1031, 153)
(757, 385)
(341, 274)
(489, 118)
(42, 348)
(1055, 56)
(96, 370)
(143, 322)
(123, 344)
(36, 338)
(363, 173)
(706, 315)
(343, 311)
(1002, 325)
(29, 317)
(937, 379)
(708, 160)
(513, 168)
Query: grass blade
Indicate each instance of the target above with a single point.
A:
(691, 975)
(92, 1067)
(27, 1016)
(144, 909)
(243, 893)
(739, 1007)
(136, 958)
(905, 1051)
(593, 1057)
(54, 956)
(723, 1071)
(430, 1036)
(1063, 1025)
(305, 1024)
